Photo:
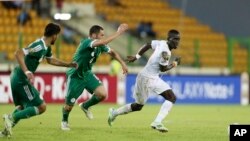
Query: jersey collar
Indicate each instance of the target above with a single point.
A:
(42, 39)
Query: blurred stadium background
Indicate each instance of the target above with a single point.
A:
(215, 45)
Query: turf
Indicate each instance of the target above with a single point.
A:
(185, 123)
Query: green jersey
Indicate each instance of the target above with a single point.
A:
(86, 55)
(34, 54)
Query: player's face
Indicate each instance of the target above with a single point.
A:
(174, 42)
(54, 37)
(100, 35)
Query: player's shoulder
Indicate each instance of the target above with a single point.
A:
(86, 41)
(158, 42)
(35, 43)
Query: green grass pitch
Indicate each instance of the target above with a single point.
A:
(185, 123)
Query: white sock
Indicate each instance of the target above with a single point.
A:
(165, 109)
(123, 110)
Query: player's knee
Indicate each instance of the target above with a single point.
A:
(173, 98)
(101, 96)
(68, 108)
(42, 108)
(101, 93)
(136, 107)
(169, 95)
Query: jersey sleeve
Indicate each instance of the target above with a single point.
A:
(32, 49)
(91, 43)
(86, 43)
(105, 49)
(154, 44)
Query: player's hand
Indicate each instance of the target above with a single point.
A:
(30, 76)
(125, 69)
(122, 28)
(73, 65)
(131, 59)
(178, 60)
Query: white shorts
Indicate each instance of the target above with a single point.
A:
(146, 86)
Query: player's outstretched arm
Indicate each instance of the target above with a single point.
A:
(142, 50)
(121, 29)
(57, 62)
(116, 56)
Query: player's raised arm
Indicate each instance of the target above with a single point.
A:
(104, 41)
(142, 50)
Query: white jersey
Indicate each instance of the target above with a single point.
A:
(161, 56)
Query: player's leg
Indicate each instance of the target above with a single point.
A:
(131, 107)
(31, 103)
(9, 123)
(95, 86)
(140, 95)
(98, 96)
(17, 109)
(17, 100)
(75, 87)
(167, 105)
(65, 115)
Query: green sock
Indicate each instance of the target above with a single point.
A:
(65, 115)
(25, 113)
(15, 121)
(92, 101)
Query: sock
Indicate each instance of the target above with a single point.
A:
(15, 121)
(123, 110)
(165, 109)
(65, 115)
(92, 101)
(25, 113)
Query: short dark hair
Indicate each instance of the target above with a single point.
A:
(51, 29)
(95, 29)
(173, 34)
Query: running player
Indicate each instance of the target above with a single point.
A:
(83, 78)
(25, 96)
(148, 81)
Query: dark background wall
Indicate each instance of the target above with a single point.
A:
(232, 17)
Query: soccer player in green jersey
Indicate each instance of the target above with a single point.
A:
(83, 78)
(25, 96)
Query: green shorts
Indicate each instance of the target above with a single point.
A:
(76, 85)
(23, 92)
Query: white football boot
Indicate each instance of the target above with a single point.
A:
(8, 124)
(111, 117)
(159, 126)
(88, 113)
(65, 126)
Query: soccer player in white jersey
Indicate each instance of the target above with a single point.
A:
(148, 81)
